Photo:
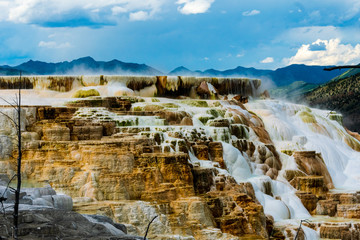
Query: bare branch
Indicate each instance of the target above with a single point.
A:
(12, 120)
(341, 67)
(148, 227)
(14, 106)
(3, 208)
(11, 156)
(8, 185)
(16, 100)
(2, 198)
(13, 138)
(301, 221)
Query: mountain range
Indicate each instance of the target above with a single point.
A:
(81, 66)
(281, 76)
(87, 65)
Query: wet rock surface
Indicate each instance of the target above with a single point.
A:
(188, 161)
(111, 166)
(45, 215)
(47, 223)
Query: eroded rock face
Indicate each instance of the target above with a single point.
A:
(133, 158)
(335, 231)
(312, 164)
(235, 209)
(312, 184)
(114, 167)
(309, 200)
(327, 207)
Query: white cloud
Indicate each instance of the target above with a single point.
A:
(139, 16)
(352, 11)
(251, 13)
(239, 55)
(268, 60)
(206, 58)
(194, 6)
(76, 12)
(335, 53)
(53, 44)
(118, 10)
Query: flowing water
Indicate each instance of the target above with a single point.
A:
(297, 127)
(291, 127)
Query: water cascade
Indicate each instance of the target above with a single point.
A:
(210, 167)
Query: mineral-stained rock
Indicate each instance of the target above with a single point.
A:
(277, 234)
(219, 123)
(309, 200)
(349, 198)
(87, 132)
(312, 164)
(161, 84)
(203, 179)
(326, 207)
(313, 184)
(55, 112)
(291, 174)
(173, 118)
(241, 99)
(196, 211)
(335, 231)
(348, 210)
(186, 121)
(131, 173)
(203, 90)
(272, 173)
(353, 134)
(116, 103)
(240, 131)
(232, 207)
(216, 153)
(265, 94)
(56, 132)
(269, 224)
(201, 152)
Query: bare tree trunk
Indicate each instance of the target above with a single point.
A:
(17, 124)
(18, 188)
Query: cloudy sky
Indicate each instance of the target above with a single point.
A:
(198, 34)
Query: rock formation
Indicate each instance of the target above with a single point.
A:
(208, 168)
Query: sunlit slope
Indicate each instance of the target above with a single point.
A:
(293, 91)
(342, 96)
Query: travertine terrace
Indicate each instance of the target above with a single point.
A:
(191, 151)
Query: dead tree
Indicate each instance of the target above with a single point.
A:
(17, 124)
(341, 67)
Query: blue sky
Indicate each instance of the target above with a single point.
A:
(198, 34)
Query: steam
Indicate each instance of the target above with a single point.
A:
(84, 70)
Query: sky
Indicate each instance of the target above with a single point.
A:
(197, 34)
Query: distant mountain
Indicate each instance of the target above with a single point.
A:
(281, 76)
(294, 91)
(300, 72)
(86, 65)
(342, 95)
(182, 71)
(9, 71)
